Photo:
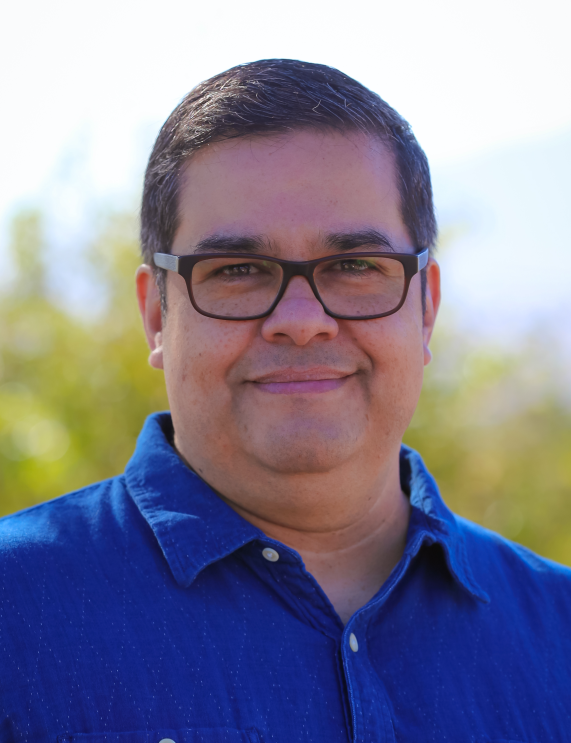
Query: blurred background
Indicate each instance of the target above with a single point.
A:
(85, 88)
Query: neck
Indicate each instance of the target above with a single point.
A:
(350, 546)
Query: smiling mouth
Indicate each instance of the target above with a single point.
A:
(310, 382)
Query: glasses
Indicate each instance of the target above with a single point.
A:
(350, 286)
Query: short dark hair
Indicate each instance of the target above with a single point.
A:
(275, 96)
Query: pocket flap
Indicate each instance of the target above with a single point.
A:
(188, 735)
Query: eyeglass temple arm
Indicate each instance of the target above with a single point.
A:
(165, 260)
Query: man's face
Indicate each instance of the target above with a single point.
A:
(297, 391)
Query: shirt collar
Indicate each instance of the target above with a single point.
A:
(194, 527)
(432, 521)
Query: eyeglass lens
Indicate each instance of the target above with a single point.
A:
(354, 287)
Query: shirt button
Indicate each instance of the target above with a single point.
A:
(270, 555)
(166, 740)
(353, 644)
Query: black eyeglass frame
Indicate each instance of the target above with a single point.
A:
(412, 264)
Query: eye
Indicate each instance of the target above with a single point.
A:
(353, 264)
(239, 269)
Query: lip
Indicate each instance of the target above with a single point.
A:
(293, 381)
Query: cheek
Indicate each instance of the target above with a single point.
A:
(199, 354)
(395, 348)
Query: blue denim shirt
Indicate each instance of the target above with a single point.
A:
(143, 608)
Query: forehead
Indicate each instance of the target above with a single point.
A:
(290, 189)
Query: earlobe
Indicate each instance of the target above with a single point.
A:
(427, 355)
(156, 355)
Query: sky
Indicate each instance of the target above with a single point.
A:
(485, 86)
(507, 262)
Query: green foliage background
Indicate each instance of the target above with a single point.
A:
(494, 428)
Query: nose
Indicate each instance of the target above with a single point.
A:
(299, 317)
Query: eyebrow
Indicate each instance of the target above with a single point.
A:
(343, 242)
(233, 244)
(338, 242)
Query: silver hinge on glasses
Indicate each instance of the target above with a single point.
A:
(164, 260)
(422, 259)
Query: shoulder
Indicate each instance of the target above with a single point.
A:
(55, 554)
(511, 572)
(63, 523)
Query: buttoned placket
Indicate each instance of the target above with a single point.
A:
(366, 698)
(367, 703)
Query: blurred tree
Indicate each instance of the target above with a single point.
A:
(495, 430)
(73, 392)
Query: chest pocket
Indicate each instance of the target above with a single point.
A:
(188, 735)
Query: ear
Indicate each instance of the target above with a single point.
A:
(150, 309)
(432, 305)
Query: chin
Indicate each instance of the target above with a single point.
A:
(304, 449)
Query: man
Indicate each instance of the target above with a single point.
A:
(274, 565)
